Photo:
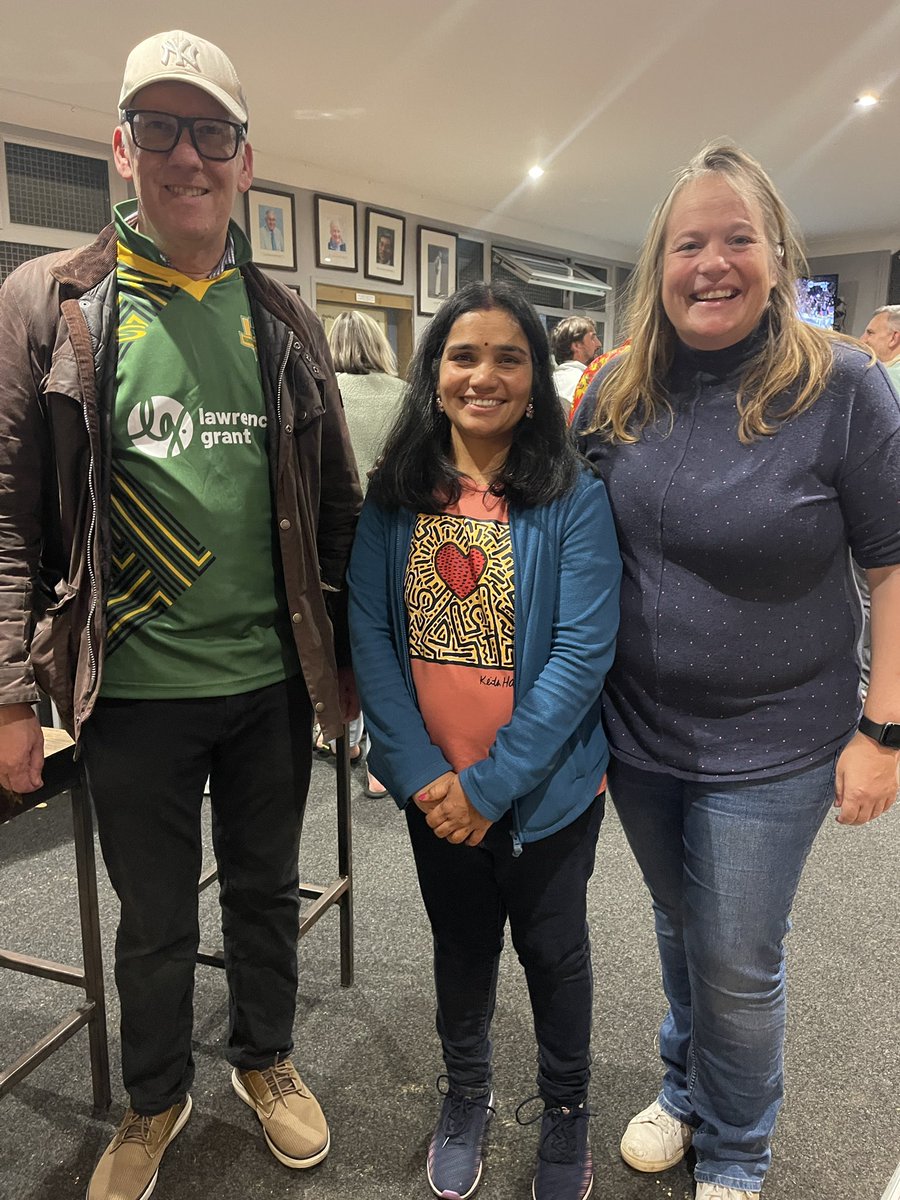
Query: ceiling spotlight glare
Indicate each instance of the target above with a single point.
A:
(535, 172)
(866, 100)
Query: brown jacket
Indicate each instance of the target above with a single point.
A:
(57, 375)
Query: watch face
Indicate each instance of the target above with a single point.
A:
(891, 736)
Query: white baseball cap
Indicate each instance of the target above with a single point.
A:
(184, 58)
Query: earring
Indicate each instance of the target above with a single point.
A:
(437, 403)
(529, 409)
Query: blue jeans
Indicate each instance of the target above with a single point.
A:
(722, 862)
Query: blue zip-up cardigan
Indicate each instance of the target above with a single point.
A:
(547, 763)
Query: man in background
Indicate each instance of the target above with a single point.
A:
(882, 336)
(180, 502)
(574, 343)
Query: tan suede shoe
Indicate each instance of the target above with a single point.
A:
(294, 1124)
(129, 1165)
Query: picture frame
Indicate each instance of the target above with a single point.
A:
(385, 245)
(335, 233)
(436, 268)
(271, 223)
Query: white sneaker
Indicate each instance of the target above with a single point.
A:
(654, 1141)
(715, 1191)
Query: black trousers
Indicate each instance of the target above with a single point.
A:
(469, 893)
(147, 762)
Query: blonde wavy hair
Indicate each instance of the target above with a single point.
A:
(358, 346)
(794, 356)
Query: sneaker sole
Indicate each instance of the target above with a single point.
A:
(651, 1167)
(584, 1194)
(179, 1125)
(284, 1159)
(447, 1194)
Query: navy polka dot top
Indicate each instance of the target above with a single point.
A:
(737, 652)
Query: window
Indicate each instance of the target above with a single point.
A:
(469, 261)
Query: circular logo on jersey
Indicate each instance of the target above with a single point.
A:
(160, 426)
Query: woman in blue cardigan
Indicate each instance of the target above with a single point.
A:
(484, 605)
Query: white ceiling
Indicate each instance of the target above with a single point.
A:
(439, 107)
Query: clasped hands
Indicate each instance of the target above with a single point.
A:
(449, 812)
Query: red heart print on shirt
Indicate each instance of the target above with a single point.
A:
(459, 571)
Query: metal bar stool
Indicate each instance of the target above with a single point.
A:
(63, 774)
(321, 896)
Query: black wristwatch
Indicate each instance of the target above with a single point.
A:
(887, 734)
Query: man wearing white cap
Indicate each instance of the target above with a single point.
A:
(181, 498)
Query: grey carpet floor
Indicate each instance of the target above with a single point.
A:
(370, 1052)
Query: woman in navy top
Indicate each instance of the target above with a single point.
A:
(747, 456)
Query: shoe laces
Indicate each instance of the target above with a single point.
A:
(134, 1128)
(283, 1080)
(459, 1113)
(559, 1141)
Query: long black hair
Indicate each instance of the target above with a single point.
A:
(416, 469)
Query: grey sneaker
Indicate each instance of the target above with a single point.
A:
(454, 1163)
(654, 1141)
(129, 1165)
(565, 1168)
(293, 1123)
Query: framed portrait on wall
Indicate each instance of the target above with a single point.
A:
(437, 268)
(270, 227)
(335, 233)
(385, 234)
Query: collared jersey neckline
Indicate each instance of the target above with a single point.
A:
(237, 248)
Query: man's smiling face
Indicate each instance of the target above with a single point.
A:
(184, 200)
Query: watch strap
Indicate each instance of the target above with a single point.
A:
(886, 734)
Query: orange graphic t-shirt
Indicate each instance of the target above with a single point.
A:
(459, 591)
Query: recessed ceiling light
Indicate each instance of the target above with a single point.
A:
(535, 172)
(866, 100)
(327, 114)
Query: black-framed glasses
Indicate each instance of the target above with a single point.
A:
(160, 132)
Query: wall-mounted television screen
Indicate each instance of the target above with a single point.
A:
(816, 296)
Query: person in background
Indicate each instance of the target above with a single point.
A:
(746, 455)
(591, 371)
(484, 605)
(366, 369)
(882, 336)
(574, 343)
(164, 579)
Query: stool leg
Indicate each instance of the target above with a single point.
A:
(345, 860)
(85, 864)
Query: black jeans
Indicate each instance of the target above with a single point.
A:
(468, 894)
(146, 763)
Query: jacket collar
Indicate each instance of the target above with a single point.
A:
(87, 265)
